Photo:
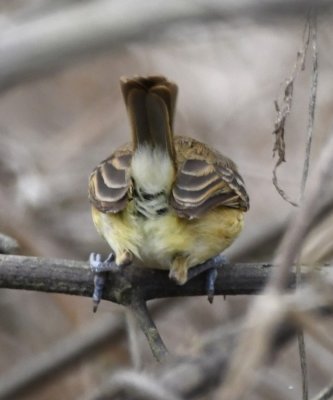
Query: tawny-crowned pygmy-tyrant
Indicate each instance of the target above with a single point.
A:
(164, 201)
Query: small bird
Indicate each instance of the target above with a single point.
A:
(164, 201)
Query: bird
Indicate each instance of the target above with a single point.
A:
(164, 201)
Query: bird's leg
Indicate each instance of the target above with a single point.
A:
(100, 269)
(210, 266)
(97, 265)
(179, 270)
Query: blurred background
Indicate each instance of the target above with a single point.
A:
(54, 129)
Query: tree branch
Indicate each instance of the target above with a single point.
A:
(146, 323)
(326, 393)
(75, 277)
(312, 22)
(132, 287)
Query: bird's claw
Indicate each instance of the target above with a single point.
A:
(97, 265)
(211, 267)
(100, 269)
(210, 284)
(99, 283)
(212, 273)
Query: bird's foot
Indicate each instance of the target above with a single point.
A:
(210, 266)
(97, 265)
(100, 269)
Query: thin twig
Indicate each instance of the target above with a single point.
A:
(51, 41)
(283, 109)
(325, 394)
(313, 328)
(148, 327)
(304, 367)
(312, 22)
(133, 340)
(312, 103)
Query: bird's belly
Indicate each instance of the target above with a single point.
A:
(156, 242)
(162, 239)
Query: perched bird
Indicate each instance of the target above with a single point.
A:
(167, 202)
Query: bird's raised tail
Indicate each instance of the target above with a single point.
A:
(150, 104)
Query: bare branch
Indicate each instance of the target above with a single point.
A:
(133, 342)
(313, 328)
(313, 99)
(147, 325)
(304, 366)
(312, 22)
(49, 42)
(283, 109)
(75, 277)
(133, 287)
(325, 394)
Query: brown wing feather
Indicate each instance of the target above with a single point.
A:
(109, 183)
(205, 179)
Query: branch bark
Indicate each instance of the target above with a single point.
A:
(75, 278)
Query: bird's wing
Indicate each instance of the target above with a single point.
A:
(205, 179)
(109, 183)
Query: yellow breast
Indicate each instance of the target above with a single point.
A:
(156, 242)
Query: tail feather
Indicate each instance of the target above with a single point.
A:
(151, 103)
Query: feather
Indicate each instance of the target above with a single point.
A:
(150, 104)
(205, 179)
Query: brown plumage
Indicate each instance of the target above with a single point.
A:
(164, 186)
